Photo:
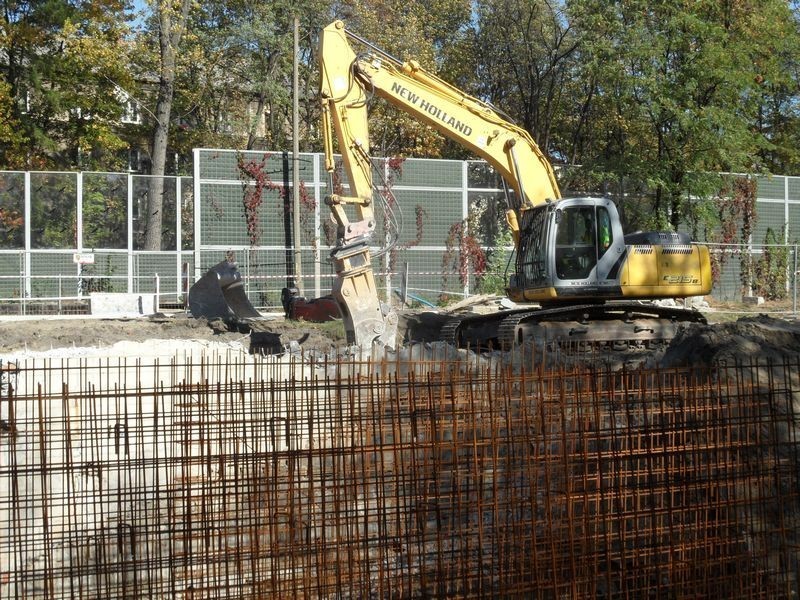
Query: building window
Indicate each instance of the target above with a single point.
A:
(130, 111)
(134, 160)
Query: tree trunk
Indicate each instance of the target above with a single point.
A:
(172, 18)
(252, 134)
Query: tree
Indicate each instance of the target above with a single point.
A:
(523, 50)
(677, 94)
(13, 141)
(779, 81)
(171, 16)
(419, 31)
(58, 94)
(241, 77)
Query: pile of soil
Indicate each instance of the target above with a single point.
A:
(758, 338)
(750, 338)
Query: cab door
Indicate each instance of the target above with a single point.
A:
(575, 245)
(611, 249)
(589, 248)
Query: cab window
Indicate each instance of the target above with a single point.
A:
(576, 251)
(605, 236)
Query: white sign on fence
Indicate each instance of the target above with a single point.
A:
(83, 259)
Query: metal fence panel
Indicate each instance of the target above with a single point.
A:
(104, 206)
(87, 212)
(53, 210)
(12, 202)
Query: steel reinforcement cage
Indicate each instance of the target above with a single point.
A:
(232, 476)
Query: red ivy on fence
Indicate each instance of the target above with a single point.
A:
(256, 172)
(464, 253)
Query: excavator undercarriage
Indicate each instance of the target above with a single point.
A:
(612, 325)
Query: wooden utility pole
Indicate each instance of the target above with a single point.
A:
(298, 265)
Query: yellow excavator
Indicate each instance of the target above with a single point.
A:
(587, 278)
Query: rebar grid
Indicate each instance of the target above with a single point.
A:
(252, 478)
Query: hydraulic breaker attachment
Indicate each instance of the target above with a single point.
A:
(366, 319)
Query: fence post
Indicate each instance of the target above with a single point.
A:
(178, 230)
(317, 238)
(197, 207)
(26, 266)
(465, 212)
(79, 227)
(129, 241)
(794, 283)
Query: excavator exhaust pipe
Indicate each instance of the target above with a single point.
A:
(219, 294)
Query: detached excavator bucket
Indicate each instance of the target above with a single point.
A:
(219, 294)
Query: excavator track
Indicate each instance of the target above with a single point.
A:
(616, 326)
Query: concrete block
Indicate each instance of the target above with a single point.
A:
(123, 305)
(754, 300)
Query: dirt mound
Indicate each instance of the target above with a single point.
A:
(761, 338)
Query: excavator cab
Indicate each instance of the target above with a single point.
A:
(571, 248)
(576, 241)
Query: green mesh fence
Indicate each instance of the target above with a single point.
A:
(417, 205)
(242, 202)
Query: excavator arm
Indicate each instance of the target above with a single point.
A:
(344, 113)
(348, 79)
(347, 82)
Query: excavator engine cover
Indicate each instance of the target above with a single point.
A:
(219, 294)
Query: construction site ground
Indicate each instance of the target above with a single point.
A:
(727, 337)
(134, 468)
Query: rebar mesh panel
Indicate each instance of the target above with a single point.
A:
(427, 479)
